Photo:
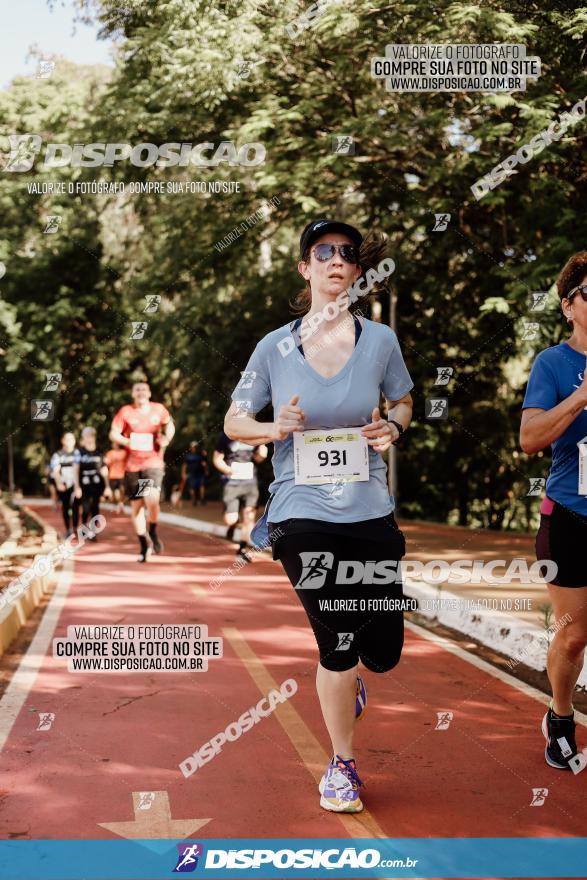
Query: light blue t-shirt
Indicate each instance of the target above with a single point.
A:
(276, 371)
(555, 374)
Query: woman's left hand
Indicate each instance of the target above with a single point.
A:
(379, 432)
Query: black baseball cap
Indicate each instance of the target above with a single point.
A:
(317, 228)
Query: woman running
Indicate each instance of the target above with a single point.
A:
(62, 470)
(555, 414)
(329, 515)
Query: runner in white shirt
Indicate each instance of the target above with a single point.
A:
(237, 462)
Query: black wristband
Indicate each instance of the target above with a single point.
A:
(400, 429)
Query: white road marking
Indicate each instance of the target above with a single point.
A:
(527, 689)
(152, 818)
(24, 677)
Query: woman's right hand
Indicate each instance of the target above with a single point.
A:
(289, 418)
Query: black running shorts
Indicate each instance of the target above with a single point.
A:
(137, 484)
(562, 537)
(346, 581)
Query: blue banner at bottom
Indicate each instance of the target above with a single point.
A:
(488, 857)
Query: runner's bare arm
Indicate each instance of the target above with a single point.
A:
(220, 464)
(117, 437)
(241, 425)
(76, 476)
(401, 410)
(167, 434)
(541, 427)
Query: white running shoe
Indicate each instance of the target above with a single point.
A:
(339, 787)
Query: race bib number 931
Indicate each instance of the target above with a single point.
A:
(326, 456)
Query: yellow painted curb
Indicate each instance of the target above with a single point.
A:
(15, 613)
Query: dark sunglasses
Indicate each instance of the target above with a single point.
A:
(582, 289)
(324, 252)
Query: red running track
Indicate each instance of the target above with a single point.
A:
(118, 734)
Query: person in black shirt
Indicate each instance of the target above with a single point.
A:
(91, 477)
(194, 471)
(236, 462)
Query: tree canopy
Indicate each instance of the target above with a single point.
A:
(193, 72)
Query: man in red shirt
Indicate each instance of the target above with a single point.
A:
(144, 429)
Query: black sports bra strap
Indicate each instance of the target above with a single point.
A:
(298, 321)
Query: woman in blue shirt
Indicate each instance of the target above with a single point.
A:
(330, 515)
(555, 414)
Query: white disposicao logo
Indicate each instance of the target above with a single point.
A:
(138, 329)
(46, 719)
(343, 144)
(315, 567)
(42, 410)
(441, 222)
(539, 795)
(23, 151)
(538, 301)
(444, 719)
(144, 487)
(153, 302)
(146, 799)
(52, 381)
(52, 224)
(537, 485)
(247, 379)
(444, 375)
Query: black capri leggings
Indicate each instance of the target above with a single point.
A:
(362, 620)
(90, 505)
(69, 508)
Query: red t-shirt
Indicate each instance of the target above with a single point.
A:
(115, 460)
(142, 427)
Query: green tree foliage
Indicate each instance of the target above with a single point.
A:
(190, 72)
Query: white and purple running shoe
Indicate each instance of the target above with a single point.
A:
(339, 787)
